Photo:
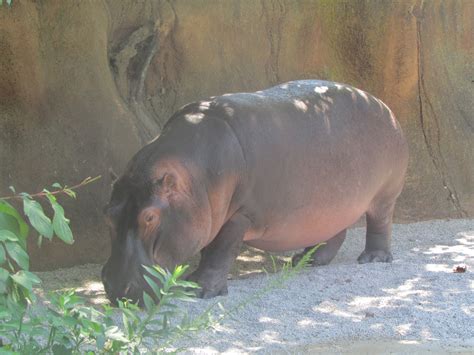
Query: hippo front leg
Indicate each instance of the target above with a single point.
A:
(218, 256)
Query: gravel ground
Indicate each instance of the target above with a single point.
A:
(417, 303)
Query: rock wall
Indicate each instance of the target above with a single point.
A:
(84, 84)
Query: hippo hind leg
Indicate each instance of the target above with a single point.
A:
(325, 253)
(378, 234)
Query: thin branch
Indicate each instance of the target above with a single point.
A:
(64, 190)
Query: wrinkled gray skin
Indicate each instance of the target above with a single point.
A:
(279, 169)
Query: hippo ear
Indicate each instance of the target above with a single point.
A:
(169, 184)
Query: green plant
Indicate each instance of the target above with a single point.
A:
(66, 324)
(8, 2)
(16, 282)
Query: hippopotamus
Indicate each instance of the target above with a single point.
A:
(280, 169)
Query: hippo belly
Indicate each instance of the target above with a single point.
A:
(318, 156)
(299, 230)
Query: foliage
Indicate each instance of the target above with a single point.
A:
(16, 282)
(8, 2)
(65, 324)
(68, 326)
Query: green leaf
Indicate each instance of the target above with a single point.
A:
(57, 185)
(4, 274)
(125, 323)
(18, 254)
(37, 218)
(149, 303)
(157, 272)
(9, 210)
(6, 235)
(70, 193)
(154, 286)
(179, 271)
(114, 333)
(9, 223)
(188, 284)
(26, 279)
(61, 224)
(3, 256)
(100, 341)
(60, 349)
(165, 321)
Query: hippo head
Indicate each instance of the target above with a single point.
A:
(158, 214)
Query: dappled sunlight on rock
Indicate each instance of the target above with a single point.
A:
(257, 258)
(460, 252)
(376, 326)
(93, 287)
(333, 309)
(270, 337)
(311, 323)
(269, 320)
(426, 334)
(438, 268)
(306, 323)
(416, 299)
(93, 291)
(409, 288)
(403, 329)
(469, 310)
(85, 279)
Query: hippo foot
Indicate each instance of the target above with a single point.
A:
(209, 288)
(375, 256)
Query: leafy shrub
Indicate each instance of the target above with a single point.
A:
(8, 2)
(65, 324)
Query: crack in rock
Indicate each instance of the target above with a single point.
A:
(274, 18)
(435, 153)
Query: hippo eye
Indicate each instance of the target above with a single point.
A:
(158, 182)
